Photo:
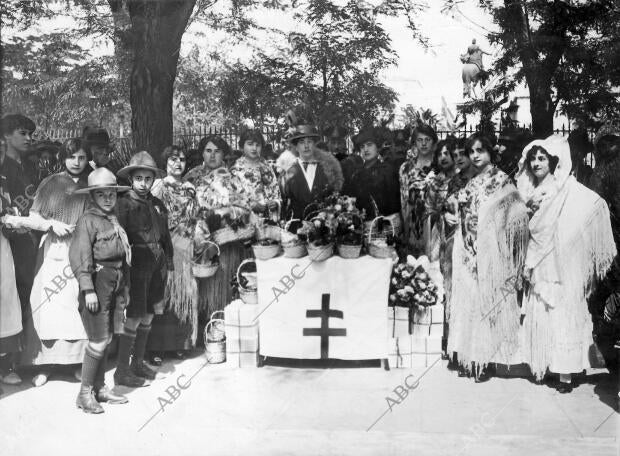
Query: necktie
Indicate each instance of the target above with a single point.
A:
(305, 165)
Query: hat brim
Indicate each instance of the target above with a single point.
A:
(118, 188)
(309, 135)
(127, 170)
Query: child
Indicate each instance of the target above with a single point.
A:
(145, 219)
(99, 255)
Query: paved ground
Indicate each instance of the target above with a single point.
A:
(280, 410)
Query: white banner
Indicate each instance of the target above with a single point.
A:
(317, 310)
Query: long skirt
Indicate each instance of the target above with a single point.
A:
(53, 329)
(215, 292)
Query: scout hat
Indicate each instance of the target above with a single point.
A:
(304, 131)
(102, 179)
(142, 160)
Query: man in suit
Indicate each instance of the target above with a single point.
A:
(314, 174)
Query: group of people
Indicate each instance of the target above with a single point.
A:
(524, 248)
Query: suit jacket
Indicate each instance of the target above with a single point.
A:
(299, 195)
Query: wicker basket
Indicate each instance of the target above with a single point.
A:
(295, 250)
(320, 253)
(396, 221)
(248, 296)
(226, 234)
(203, 271)
(375, 240)
(215, 340)
(266, 252)
(349, 251)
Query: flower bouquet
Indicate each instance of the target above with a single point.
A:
(411, 284)
(349, 234)
(319, 235)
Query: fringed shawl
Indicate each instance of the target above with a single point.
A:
(55, 199)
(487, 256)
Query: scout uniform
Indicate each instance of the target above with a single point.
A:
(145, 219)
(99, 255)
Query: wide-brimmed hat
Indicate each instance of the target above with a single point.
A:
(609, 128)
(304, 131)
(102, 179)
(142, 160)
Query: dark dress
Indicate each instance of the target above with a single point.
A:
(378, 182)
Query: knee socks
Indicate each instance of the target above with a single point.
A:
(140, 345)
(90, 365)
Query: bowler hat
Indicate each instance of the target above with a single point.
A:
(96, 136)
(142, 160)
(102, 179)
(304, 131)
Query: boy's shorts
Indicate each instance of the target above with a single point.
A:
(148, 277)
(110, 289)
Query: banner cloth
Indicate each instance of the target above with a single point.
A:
(317, 310)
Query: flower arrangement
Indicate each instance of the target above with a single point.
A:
(411, 285)
(349, 228)
(320, 231)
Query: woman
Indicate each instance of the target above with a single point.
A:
(412, 176)
(313, 176)
(217, 191)
(374, 184)
(10, 307)
(489, 249)
(436, 194)
(571, 246)
(176, 330)
(464, 172)
(256, 176)
(54, 333)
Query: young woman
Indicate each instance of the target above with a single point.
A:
(412, 176)
(436, 194)
(571, 246)
(256, 176)
(10, 308)
(176, 330)
(488, 253)
(53, 331)
(217, 191)
(374, 184)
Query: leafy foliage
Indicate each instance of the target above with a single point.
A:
(568, 53)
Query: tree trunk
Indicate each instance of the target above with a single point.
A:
(157, 29)
(542, 109)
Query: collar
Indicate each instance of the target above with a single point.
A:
(133, 195)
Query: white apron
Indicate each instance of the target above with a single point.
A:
(54, 296)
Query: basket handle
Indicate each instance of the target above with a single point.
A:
(215, 313)
(205, 250)
(310, 206)
(372, 224)
(246, 261)
(212, 321)
(288, 223)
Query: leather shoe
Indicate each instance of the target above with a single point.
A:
(564, 388)
(130, 379)
(140, 369)
(105, 394)
(87, 402)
